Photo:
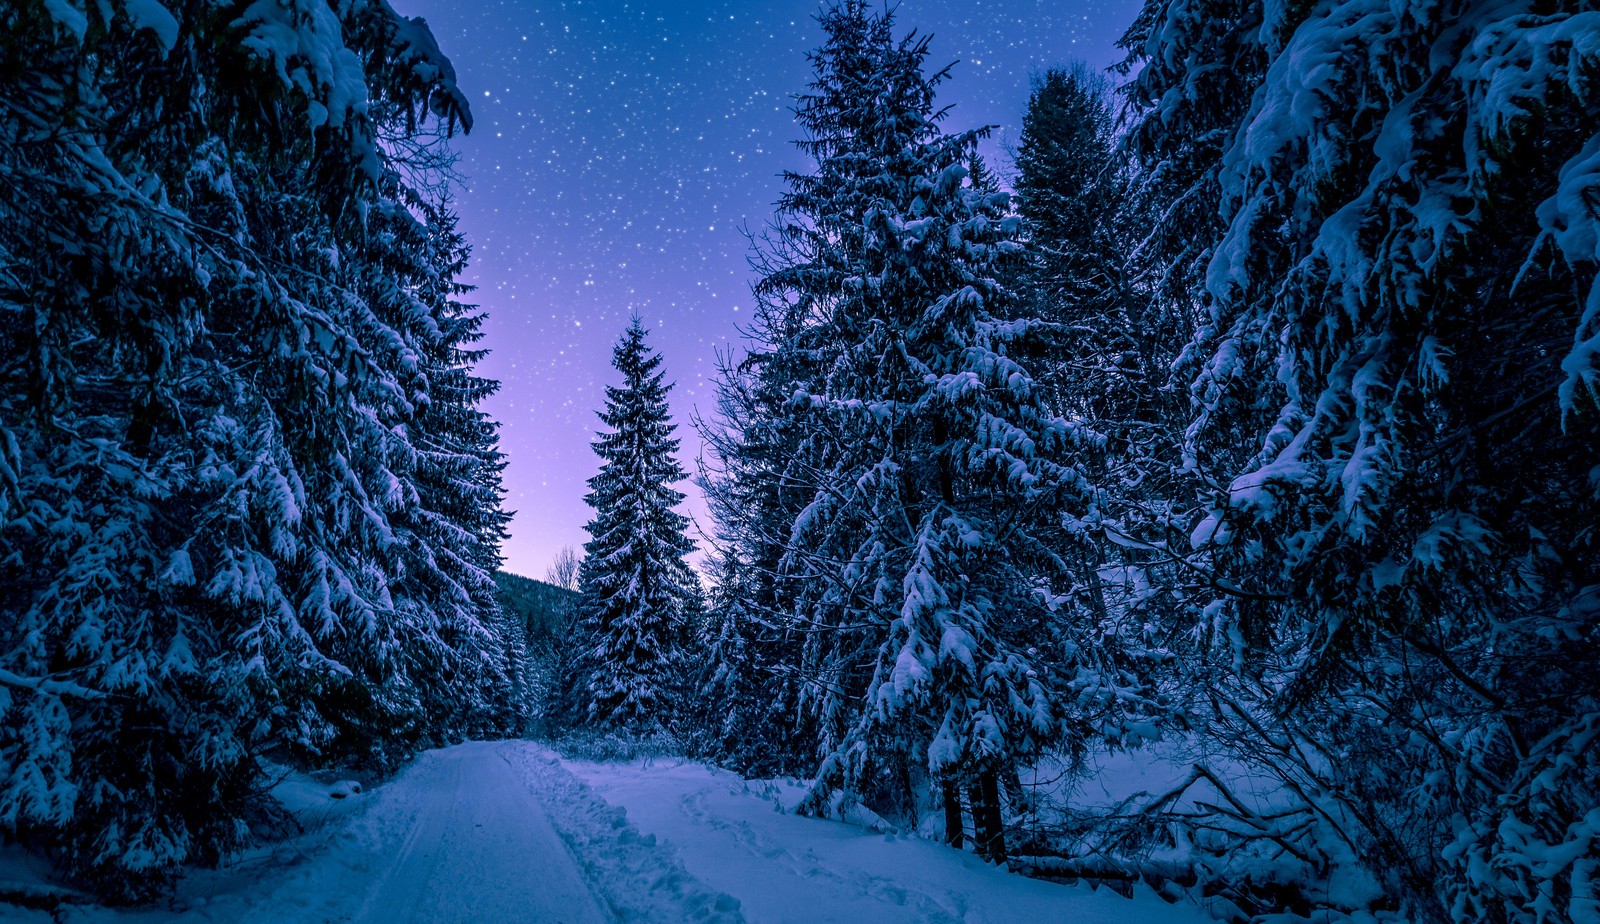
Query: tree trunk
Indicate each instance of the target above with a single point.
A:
(989, 833)
(953, 828)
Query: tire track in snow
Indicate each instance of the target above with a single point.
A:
(481, 849)
(395, 891)
(640, 879)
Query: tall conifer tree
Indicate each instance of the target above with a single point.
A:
(1391, 261)
(225, 519)
(1108, 365)
(637, 590)
(922, 452)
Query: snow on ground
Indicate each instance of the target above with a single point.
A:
(741, 837)
(1113, 776)
(640, 879)
(462, 835)
(506, 832)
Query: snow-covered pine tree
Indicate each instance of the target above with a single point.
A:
(738, 708)
(1108, 366)
(724, 716)
(208, 543)
(747, 445)
(1067, 182)
(928, 469)
(1072, 186)
(458, 513)
(1395, 416)
(637, 591)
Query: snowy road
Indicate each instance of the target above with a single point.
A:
(506, 832)
(481, 849)
(481, 832)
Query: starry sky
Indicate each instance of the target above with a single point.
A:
(620, 152)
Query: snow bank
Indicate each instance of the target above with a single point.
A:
(328, 822)
(640, 879)
(739, 836)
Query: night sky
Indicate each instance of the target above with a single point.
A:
(621, 149)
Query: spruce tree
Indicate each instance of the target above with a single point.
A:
(925, 467)
(1067, 183)
(748, 444)
(458, 513)
(1107, 365)
(1392, 273)
(217, 535)
(637, 591)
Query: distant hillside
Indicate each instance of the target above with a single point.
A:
(542, 608)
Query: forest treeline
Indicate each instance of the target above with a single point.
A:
(1258, 416)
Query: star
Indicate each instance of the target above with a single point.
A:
(621, 152)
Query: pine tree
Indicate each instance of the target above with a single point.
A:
(922, 451)
(458, 513)
(738, 710)
(1109, 366)
(638, 593)
(720, 718)
(1392, 365)
(1067, 183)
(748, 444)
(216, 536)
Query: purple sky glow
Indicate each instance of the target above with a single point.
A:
(621, 149)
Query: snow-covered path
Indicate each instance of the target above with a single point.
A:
(485, 831)
(481, 849)
(482, 832)
(506, 832)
